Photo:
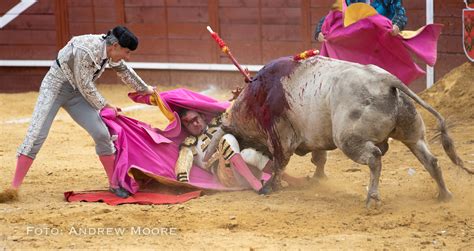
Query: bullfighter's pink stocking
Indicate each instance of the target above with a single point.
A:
(241, 167)
(108, 161)
(23, 164)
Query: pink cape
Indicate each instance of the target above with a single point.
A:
(368, 41)
(154, 152)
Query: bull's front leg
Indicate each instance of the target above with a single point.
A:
(278, 169)
(274, 184)
(281, 148)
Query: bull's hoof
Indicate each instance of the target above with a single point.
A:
(8, 194)
(320, 176)
(296, 182)
(445, 196)
(276, 185)
(373, 201)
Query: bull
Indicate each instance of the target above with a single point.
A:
(321, 104)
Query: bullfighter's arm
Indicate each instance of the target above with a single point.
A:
(184, 164)
(400, 18)
(319, 27)
(130, 77)
(185, 159)
(83, 74)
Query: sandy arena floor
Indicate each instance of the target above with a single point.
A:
(328, 215)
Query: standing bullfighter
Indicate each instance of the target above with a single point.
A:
(69, 83)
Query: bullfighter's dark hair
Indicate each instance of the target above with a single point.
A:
(182, 111)
(123, 36)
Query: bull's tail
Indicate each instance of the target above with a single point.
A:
(446, 140)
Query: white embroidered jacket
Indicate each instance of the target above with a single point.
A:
(81, 61)
(193, 149)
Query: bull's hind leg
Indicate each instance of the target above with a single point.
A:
(366, 153)
(383, 146)
(318, 158)
(423, 154)
(375, 165)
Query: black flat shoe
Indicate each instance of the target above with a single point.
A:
(120, 192)
(266, 188)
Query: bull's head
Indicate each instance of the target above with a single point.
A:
(253, 117)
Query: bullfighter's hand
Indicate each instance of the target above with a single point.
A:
(395, 30)
(116, 109)
(321, 37)
(149, 90)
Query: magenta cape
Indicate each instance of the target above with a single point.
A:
(368, 41)
(154, 152)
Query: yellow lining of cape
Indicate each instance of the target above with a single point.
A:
(356, 12)
(138, 174)
(155, 99)
(411, 34)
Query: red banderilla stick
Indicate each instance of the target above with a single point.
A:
(226, 49)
